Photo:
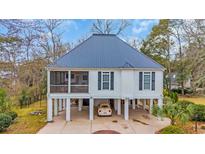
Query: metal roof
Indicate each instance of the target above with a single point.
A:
(105, 51)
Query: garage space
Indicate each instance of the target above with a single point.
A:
(88, 108)
(140, 122)
(104, 105)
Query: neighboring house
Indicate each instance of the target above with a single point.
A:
(176, 85)
(103, 68)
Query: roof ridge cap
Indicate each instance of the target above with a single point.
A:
(102, 34)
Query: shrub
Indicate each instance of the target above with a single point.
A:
(5, 121)
(186, 91)
(176, 112)
(24, 98)
(198, 112)
(156, 111)
(165, 93)
(172, 129)
(203, 127)
(174, 97)
(4, 103)
(185, 103)
(12, 114)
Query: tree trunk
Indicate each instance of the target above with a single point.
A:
(172, 122)
(182, 85)
(196, 128)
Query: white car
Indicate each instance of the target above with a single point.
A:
(104, 109)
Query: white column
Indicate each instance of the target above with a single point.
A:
(55, 107)
(91, 106)
(80, 104)
(49, 109)
(119, 107)
(68, 117)
(150, 106)
(133, 104)
(69, 81)
(115, 104)
(64, 101)
(48, 81)
(60, 102)
(160, 102)
(144, 104)
(126, 109)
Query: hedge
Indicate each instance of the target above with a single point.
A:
(5, 121)
(198, 112)
(12, 114)
(172, 129)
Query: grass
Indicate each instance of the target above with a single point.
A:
(26, 123)
(197, 100)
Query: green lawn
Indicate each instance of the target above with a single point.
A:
(197, 100)
(26, 123)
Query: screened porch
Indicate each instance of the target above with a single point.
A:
(69, 81)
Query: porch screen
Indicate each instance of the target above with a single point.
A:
(58, 82)
(140, 80)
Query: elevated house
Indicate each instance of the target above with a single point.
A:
(103, 68)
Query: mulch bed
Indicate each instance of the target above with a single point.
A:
(115, 121)
(106, 132)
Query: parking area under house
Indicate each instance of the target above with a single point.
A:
(121, 106)
(140, 121)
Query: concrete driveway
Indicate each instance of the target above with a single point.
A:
(140, 122)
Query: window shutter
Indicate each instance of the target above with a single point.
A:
(140, 80)
(112, 81)
(153, 80)
(99, 80)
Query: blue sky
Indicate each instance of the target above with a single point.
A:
(75, 29)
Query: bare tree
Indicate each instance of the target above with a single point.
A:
(51, 39)
(195, 51)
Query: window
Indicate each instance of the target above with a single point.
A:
(147, 80)
(106, 80)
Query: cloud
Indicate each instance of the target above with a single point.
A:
(142, 26)
(69, 24)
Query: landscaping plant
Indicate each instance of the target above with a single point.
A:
(198, 112)
(172, 129)
(5, 121)
(174, 110)
(12, 114)
(4, 103)
(24, 98)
